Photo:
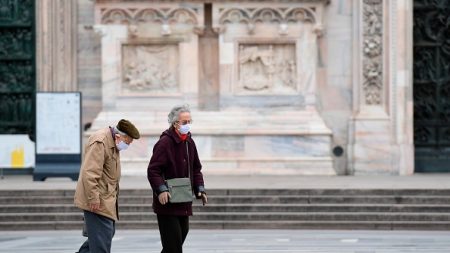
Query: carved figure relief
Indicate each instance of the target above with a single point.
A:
(150, 68)
(267, 68)
(16, 76)
(15, 12)
(16, 108)
(17, 67)
(16, 43)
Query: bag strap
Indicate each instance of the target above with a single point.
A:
(189, 169)
(188, 162)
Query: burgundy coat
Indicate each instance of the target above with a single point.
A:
(169, 161)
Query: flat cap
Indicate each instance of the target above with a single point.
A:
(128, 128)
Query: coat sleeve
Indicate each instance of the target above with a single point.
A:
(155, 168)
(93, 170)
(199, 185)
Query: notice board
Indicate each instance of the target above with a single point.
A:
(58, 135)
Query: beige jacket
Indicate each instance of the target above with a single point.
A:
(99, 175)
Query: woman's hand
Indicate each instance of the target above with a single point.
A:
(164, 197)
(204, 198)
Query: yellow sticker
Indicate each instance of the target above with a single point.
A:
(18, 158)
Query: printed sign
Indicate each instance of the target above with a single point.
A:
(58, 128)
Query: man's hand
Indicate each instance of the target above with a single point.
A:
(204, 197)
(94, 207)
(164, 197)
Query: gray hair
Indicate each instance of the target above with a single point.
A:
(117, 131)
(175, 113)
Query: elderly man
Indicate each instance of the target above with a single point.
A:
(98, 184)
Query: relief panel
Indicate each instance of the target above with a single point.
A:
(150, 68)
(267, 68)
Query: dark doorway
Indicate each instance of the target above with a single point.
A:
(432, 85)
(17, 66)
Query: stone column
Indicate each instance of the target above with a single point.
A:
(370, 126)
(381, 127)
(401, 79)
(56, 48)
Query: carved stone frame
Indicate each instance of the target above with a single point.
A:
(381, 134)
(148, 23)
(151, 41)
(264, 41)
(305, 30)
(362, 62)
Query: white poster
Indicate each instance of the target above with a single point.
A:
(58, 128)
(16, 151)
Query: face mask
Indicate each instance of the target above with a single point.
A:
(184, 129)
(122, 146)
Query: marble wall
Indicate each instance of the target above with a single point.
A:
(335, 72)
(267, 120)
(343, 72)
(56, 45)
(89, 61)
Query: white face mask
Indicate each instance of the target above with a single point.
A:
(184, 129)
(122, 146)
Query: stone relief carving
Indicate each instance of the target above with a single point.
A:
(372, 51)
(132, 16)
(16, 42)
(16, 76)
(281, 16)
(151, 68)
(17, 12)
(267, 68)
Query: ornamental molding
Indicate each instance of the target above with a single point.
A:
(372, 51)
(282, 15)
(135, 16)
(214, 1)
(267, 15)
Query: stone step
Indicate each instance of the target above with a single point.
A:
(219, 224)
(244, 217)
(253, 192)
(246, 208)
(267, 199)
(224, 208)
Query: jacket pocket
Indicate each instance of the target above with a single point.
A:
(111, 190)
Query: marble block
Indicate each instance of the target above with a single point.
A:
(243, 142)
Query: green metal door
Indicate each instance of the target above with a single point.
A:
(432, 85)
(17, 66)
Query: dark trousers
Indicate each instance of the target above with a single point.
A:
(173, 230)
(100, 231)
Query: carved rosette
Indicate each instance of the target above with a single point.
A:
(372, 50)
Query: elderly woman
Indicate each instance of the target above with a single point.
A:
(175, 157)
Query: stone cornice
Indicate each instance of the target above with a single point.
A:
(251, 13)
(213, 1)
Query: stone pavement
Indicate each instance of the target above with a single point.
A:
(246, 241)
(417, 181)
(239, 241)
